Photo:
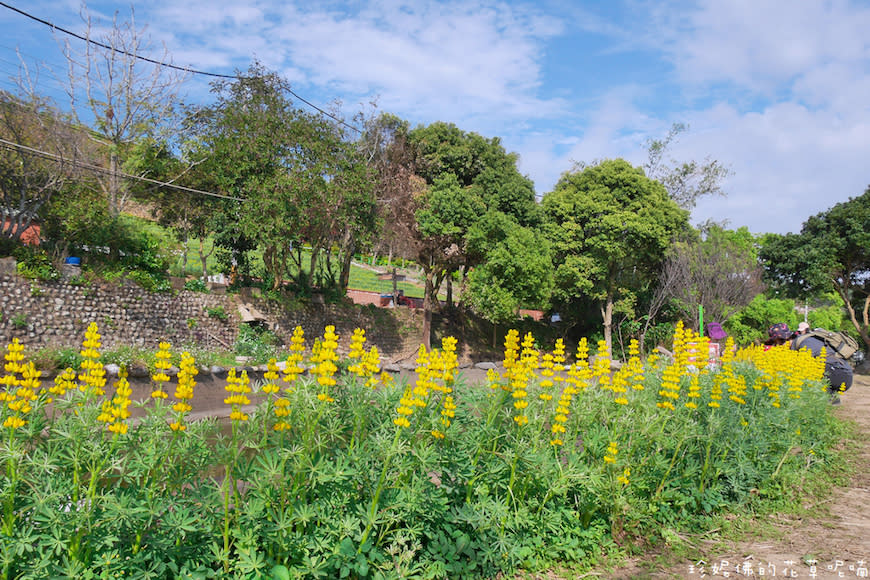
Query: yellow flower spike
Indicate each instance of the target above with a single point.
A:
(612, 452)
(293, 367)
(357, 351)
(184, 390)
(92, 377)
(324, 356)
(271, 376)
(239, 387)
(511, 350)
(623, 479)
(405, 409)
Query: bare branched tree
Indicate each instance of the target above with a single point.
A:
(685, 181)
(40, 151)
(716, 273)
(119, 95)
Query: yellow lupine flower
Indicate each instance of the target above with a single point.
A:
(612, 452)
(293, 368)
(623, 479)
(184, 390)
(239, 386)
(93, 375)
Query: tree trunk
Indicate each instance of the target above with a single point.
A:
(203, 255)
(344, 276)
(607, 316)
(114, 185)
(449, 290)
(312, 266)
(862, 329)
(428, 294)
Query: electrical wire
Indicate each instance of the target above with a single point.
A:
(10, 145)
(169, 65)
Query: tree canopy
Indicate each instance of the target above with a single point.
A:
(609, 226)
(831, 252)
(301, 180)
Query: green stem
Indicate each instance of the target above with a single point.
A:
(492, 413)
(373, 508)
(781, 462)
(228, 490)
(668, 472)
(9, 503)
(706, 466)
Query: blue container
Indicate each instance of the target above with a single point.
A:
(73, 261)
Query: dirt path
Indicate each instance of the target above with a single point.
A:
(833, 543)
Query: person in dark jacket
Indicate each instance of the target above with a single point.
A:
(838, 371)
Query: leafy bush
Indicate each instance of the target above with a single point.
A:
(256, 342)
(439, 479)
(54, 358)
(127, 356)
(749, 326)
(35, 264)
(217, 312)
(196, 285)
(153, 282)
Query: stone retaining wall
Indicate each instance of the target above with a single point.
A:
(42, 314)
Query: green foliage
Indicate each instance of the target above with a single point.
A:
(469, 178)
(196, 285)
(34, 264)
(750, 324)
(127, 356)
(19, 320)
(347, 493)
(831, 252)
(256, 342)
(54, 358)
(317, 191)
(609, 226)
(217, 312)
(516, 272)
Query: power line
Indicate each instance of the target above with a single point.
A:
(168, 64)
(51, 156)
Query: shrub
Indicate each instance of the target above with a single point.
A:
(217, 312)
(256, 342)
(35, 265)
(196, 285)
(54, 358)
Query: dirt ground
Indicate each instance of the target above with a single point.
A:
(833, 543)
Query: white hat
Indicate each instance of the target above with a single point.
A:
(803, 327)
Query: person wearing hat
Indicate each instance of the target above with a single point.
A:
(778, 334)
(838, 371)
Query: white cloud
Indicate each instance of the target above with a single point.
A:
(438, 60)
(761, 44)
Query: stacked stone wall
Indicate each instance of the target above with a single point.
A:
(45, 314)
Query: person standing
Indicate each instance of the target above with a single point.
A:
(838, 371)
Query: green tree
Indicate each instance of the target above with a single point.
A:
(302, 180)
(609, 226)
(466, 176)
(831, 252)
(515, 270)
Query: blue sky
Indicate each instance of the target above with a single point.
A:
(778, 91)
